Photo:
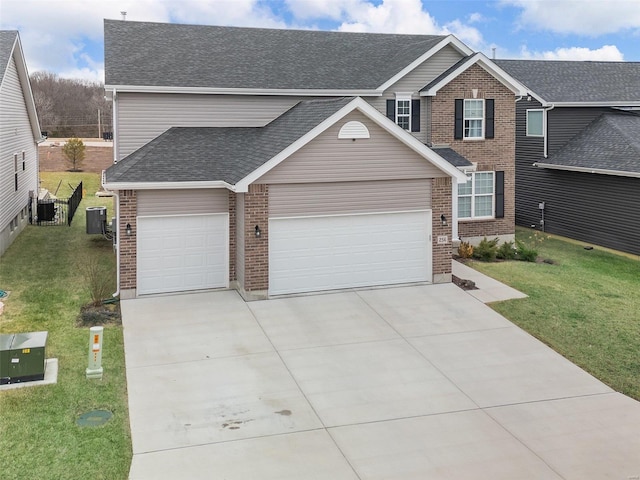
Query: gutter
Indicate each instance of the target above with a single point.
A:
(601, 171)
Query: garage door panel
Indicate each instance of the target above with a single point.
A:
(331, 252)
(181, 253)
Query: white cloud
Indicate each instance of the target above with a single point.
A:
(323, 9)
(607, 53)
(390, 16)
(583, 17)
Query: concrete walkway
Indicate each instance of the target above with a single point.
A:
(396, 383)
(489, 290)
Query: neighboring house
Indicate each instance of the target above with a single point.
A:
(19, 136)
(280, 161)
(578, 150)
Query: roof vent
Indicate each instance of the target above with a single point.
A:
(354, 130)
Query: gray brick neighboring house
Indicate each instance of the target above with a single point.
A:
(19, 137)
(578, 150)
(284, 161)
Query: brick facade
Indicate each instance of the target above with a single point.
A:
(441, 205)
(256, 250)
(127, 244)
(496, 154)
(232, 236)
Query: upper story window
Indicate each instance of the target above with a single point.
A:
(535, 123)
(476, 197)
(404, 111)
(474, 119)
(15, 171)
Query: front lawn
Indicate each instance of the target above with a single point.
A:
(38, 434)
(585, 306)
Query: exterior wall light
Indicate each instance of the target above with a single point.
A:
(128, 229)
(258, 231)
(443, 219)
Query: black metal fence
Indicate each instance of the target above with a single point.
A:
(59, 211)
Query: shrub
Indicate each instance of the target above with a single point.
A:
(525, 253)
(465, 250)
(507, 251)
(486, 250)
(98, 279)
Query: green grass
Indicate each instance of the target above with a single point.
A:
(38, 434)
(585, 306)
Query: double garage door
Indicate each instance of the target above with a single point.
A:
(332, 236)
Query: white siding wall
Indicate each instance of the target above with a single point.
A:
(16, 136)
(349, 197)
(414, 82)
(329, 159)
(182, 202)
(141, 117)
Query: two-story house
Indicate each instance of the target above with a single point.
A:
(283, 161)
(578, 150)
(19, 137)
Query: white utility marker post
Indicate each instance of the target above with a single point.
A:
(94, 370)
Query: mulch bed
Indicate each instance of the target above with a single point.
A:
(96, 315)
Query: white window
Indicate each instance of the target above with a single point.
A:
(476, 197)
(535, 123)
(15, 170)
(403, 111)
(474, 119)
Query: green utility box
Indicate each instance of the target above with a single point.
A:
(22, 357)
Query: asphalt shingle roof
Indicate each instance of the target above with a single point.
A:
(228, 154)
(562, 81)
(610, 142)
(158, 54)
(7, 39)
(453, 157)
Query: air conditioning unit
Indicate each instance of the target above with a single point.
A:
(96, 220)
(22, 357)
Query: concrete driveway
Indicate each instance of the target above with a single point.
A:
(398, 383)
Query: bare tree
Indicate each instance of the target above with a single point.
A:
(69, 107)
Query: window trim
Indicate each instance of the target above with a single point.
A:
(482, 119)
(471, 179)
(541, 110)
(15, 172)
(404, 97)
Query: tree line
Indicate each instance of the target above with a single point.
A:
(71, 107)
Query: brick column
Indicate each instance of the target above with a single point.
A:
(232, 236)
(126, 243)
(256, 250)
(441, 205)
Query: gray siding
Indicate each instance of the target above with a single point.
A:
(599, 209)
(328, 159)
(16, 136)
(240, 238)
(141, 117)
(183, 202)
(414, 82)
(304, 199)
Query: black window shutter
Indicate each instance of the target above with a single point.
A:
(459, 116)
(415, 115)
(391, 110)
(489, 105)
(499, 194)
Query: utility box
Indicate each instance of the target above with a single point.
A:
(22, 357)
(97, 220)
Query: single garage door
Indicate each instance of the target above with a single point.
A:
(341, 251)
(182, 252)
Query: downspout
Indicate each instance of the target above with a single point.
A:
(116, 245)
(546, 131)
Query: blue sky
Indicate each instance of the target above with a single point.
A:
(65, 36)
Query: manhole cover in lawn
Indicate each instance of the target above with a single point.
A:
(94, 418)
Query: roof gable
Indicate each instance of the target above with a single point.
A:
(235, 157)
(257, 59)
(608, 145)
(576, 83)
(10, 47)
(463, 65)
